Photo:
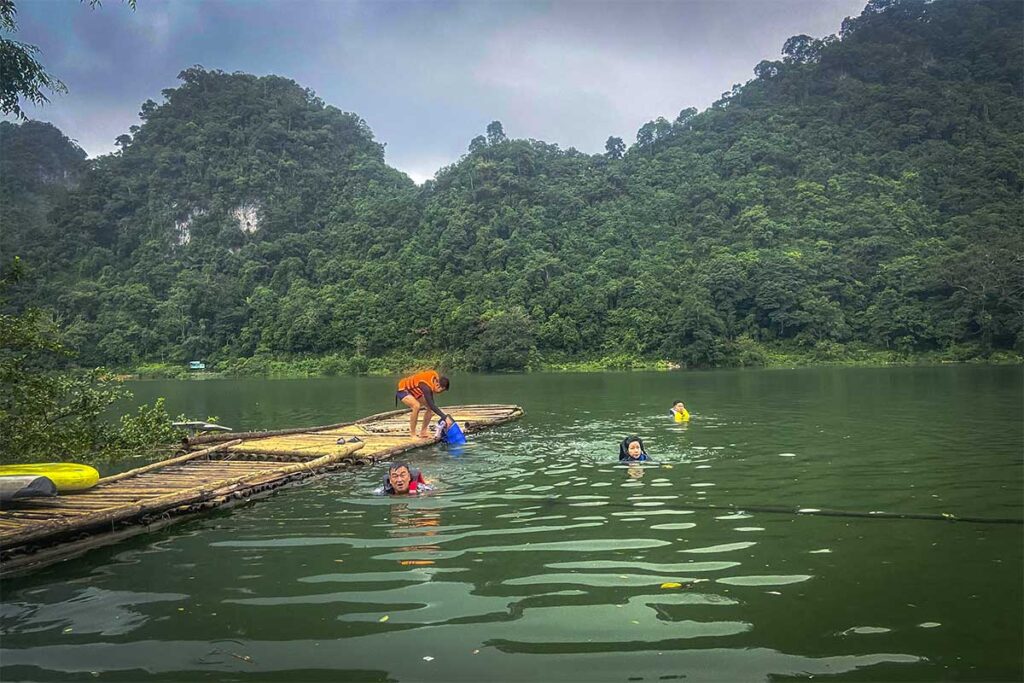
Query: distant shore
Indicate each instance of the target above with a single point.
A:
(761, 357)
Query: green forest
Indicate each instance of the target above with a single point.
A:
(858, 198)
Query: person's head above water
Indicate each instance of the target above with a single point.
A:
(399, 476)
(678, 406)
(632, 448)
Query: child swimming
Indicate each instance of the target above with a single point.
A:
(632, 450)
(679, 412)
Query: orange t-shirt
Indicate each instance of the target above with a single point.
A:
(412, 383)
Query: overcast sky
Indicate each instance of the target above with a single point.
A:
(426, 76)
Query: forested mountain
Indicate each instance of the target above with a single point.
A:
(864, 191)
(38, 166)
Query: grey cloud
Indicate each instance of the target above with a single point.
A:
(427, 76)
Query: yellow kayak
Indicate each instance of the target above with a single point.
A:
(67, 476)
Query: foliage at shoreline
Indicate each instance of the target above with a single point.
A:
(750, 355)
(49, 412)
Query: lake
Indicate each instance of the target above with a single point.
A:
(538, 557)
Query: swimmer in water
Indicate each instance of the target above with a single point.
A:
(403, 480)
(679, 412)
(632, 450)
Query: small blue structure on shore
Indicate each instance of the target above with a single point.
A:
(196, 365)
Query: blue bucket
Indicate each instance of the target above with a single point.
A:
(453, 434)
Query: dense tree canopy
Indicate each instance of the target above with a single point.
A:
(863, 190)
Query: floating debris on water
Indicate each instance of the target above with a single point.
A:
(865, 630)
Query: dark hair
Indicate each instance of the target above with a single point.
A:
(624, 446)
(397, 466)
(675, 402)
(444, 382)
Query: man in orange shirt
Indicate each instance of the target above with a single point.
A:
(419, 389)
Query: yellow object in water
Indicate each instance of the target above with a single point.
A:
(683, 416)
(67, 476)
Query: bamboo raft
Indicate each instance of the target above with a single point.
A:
(216, 471)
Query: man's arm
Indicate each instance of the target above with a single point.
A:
(428, 397)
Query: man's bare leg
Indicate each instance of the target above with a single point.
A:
(425, 427)
(414, 406)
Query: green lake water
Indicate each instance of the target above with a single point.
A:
(539, 558)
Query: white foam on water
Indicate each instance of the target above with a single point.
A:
(767, 580)
(674, 525)
(721, 548)
(865, 630)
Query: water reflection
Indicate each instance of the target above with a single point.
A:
(409, 523)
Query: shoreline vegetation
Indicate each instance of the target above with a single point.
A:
(754, 356)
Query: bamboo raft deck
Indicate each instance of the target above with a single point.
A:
(218, 471)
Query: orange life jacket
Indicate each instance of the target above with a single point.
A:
(412, 383)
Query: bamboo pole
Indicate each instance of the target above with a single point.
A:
(213, 438)
(311, 455)
(165, 463)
